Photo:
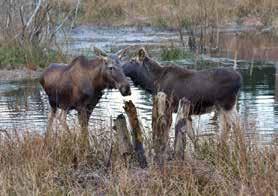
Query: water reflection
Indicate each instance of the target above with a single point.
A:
(257, 100)
(22, 105)
(249, 45)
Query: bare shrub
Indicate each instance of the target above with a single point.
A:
(30, 28)
(33, 21)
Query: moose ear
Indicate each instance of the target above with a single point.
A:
(123, 52)
(142, 54)
(99, 52)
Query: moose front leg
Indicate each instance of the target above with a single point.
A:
(229, 120)
(84, 116)
(51, 117)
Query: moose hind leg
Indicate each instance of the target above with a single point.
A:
(64, 120)
(49, 129)
(228, 121)
(51, 117)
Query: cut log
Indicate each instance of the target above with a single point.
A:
(181, 128)
(161, 124)
(137, 134)
(123, 144)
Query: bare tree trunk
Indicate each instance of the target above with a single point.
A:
(235, 59)
(137, 134)
(192, 41)
(181, 36)
(161, 123)
(217, 29)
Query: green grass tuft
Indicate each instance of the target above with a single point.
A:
(32, 57)
(174, 53)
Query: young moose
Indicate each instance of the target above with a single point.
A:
(204, 89)
(80, 85)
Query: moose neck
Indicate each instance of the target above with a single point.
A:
(95, 74)
(100, 81)
(153, 67)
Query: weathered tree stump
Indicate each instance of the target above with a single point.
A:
(123, 143)
(137, 134)
(181, 128)
(276, 84)
(161, 124)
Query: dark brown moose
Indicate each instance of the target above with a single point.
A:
(80, 85)
(204, 89)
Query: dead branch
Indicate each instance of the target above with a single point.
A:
(25, 23)
(34, 13)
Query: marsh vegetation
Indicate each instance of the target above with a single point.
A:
(29, 29)
(34, 34)
(29, 166)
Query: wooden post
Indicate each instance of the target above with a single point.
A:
(161, 124)
(137, 134)
(124, 145)
(181, 128)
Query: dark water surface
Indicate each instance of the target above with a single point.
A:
(24, 105)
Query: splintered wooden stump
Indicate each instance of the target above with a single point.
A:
(124, 145)
(276, 84)
(161, 124)
(181, 128)
(137, 134)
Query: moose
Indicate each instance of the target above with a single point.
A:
(80, 85)
(205, 89)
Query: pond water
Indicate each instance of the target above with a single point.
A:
(24, 105)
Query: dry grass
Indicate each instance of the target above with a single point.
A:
(30, 166)
(197, 16)
(174, 13)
